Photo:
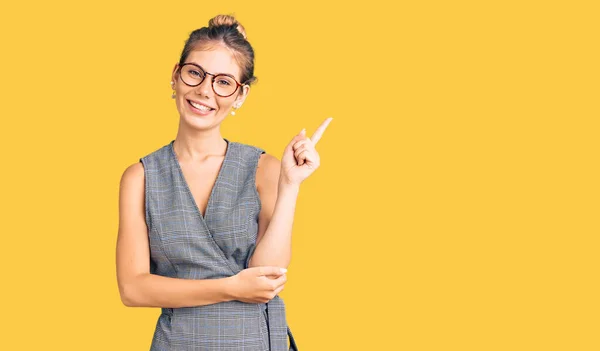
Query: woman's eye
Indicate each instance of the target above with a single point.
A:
(224, 82)
(195, 73)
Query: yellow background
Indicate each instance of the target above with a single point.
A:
(456, 207)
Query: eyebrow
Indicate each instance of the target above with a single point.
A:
(227, 74)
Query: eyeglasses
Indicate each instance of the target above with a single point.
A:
(223, 84)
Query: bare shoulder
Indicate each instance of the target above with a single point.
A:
(133, 176)
(267, 173)
(131, 192)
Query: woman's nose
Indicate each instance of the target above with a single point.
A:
(205, 88)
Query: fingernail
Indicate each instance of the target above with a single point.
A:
(303, 130)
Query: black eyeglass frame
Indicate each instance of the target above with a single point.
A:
(214, 76)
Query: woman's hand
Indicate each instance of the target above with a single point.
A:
(300, 158)
(257, 284)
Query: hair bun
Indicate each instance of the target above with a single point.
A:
(226, 20)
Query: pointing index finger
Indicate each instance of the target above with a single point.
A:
(319, 132)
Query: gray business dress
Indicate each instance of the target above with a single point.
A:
(186, 245)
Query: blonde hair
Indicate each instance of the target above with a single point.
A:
(227, 31)
(227, 20)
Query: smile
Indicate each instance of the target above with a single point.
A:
(200, 106)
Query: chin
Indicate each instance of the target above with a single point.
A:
(201, 122)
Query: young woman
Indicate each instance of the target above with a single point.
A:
(204, 222)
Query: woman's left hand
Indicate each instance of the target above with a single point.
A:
(300, 158)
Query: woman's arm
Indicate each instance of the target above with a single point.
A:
(278, 183)
(139, 288)
(278, 204)
(151, 290)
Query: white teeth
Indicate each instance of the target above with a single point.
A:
(200, 107)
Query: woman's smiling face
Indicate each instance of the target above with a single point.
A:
(216, 60)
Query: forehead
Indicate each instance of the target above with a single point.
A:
(215, 60)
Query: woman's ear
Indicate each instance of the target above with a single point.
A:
(175, 74)
(243, 95)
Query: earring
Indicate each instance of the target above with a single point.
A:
(237, 105)
(173, 94)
